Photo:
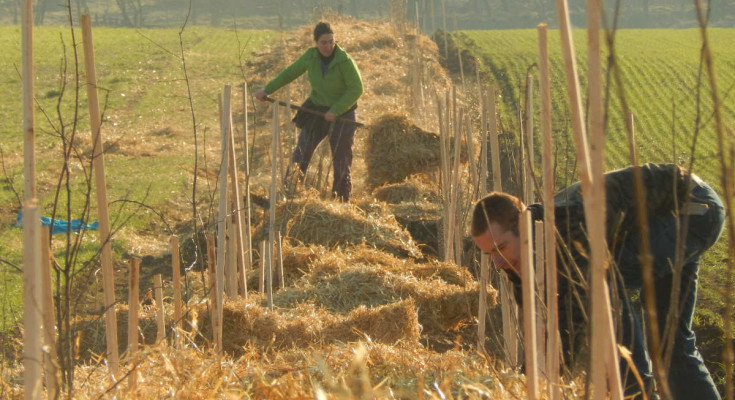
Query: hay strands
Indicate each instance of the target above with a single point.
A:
(310, 111)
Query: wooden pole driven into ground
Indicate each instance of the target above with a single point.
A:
(247, 238)
(507, 303)
(160, 313)
(237, 235)
(529, 148)
(541, 311)
(32, 306)
(281, 278)
(108, 277)
(603, 347)
(176, 283)
(49, 329)
(230, 264)
(215, 295)
(529, 305)
(604, 371)
(445, 177)
(272, 212)
(482, 189)
(552, 319)
(261, 269)
(133, 306)
(223, 214)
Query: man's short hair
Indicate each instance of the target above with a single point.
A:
(502, 208)
(321, 29)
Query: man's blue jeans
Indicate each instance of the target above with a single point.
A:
(688, 376)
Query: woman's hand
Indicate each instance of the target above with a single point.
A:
(331, 117)
(261, 95)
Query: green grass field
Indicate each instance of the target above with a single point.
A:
(660, 74)
(147, 122)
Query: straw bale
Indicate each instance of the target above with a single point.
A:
(397, 149)
(389, 323)
(313, 221)
(410, 190)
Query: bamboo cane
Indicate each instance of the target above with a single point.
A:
(133, 306)
(176, 283)
(49, 329)
(108, 277)
(160, 315)
(552, 320)
(529, 306)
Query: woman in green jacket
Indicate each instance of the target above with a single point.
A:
(335, 87)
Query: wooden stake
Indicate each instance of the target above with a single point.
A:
(540, 274)
(248, 219)
(230, 265)
(133, 306)
(220, 263)
(261, 275)
(32, 306)
(281, 278)
(508, 307)
(445, 177)
(552, 319)
(176, 283)
(272, 213)
(160, 315)
(49, 327)
(215, 297)
(32, 303)
(482, 188)
(236, 234)
(529, 306)
(604, 371)
(529, 149)
(456, 130)
(108, 277)
(603, 346)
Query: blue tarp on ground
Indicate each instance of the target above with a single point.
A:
(60, 226)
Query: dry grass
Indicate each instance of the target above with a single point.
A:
(363, 313)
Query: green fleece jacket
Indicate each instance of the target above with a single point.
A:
(338, 89)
